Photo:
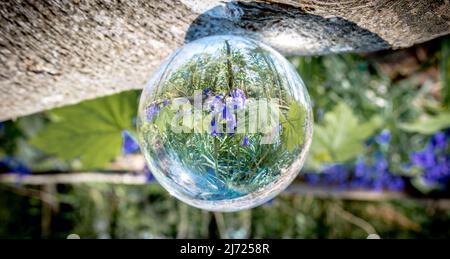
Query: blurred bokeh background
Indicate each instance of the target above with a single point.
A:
(379, 165)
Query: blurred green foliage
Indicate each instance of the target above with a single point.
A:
(428, 124)
(90, 131)
(341, 136)
(117, 211)
(353, 98)
(292, 135)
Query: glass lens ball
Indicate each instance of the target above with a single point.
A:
(225, 123)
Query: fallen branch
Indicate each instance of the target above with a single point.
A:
(137, 178)
(56, 53)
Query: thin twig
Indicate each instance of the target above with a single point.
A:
(357, 221)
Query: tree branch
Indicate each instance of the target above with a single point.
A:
(55, 53)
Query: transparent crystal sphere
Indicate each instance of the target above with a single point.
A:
(225, 123)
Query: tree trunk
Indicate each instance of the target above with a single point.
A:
(54, 53)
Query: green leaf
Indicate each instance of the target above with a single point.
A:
(341, 136)
(428, 124)
(293, 131)
(90, 131)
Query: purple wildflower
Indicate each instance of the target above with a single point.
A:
(360, 167)
(149, 176)
(238, 98)
(439, 141)
(12, 165)
(153, 110)
(433, 160)
(216, 105)
(230, 120)
(129, 144)
(207, 91)
(245, 141)
(312, 178)
(384, 137)
(424, 158)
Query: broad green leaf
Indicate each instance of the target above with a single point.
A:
(293, 126)
(428, 124)
(90, 131)
(341, 136)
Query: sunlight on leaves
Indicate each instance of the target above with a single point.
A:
(293, 127)
(428, 124)
(90, 131)
(340, 137)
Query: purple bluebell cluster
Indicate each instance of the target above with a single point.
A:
(376, 175)
(153, 109)
(335, 175)
(384, 137)
(222, 110)
(238, 98)
(12, 165)
(129, 144)
(245, 141)
(434, 160)
(362, 175)
(366, 173)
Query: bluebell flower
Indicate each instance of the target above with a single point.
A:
(207, 91)
(230, 120)
(424, 158)
(149, 176)
(376, 176)
(14, 166)
(238, 98)
(312, 178)
(336, 174)
(1, 126)
(216, 104)
(381, 165)
(439, 140)
(152, 110)
(396, 184)
(129, 144)
(245, 141)
(433, 160)
(360, 167)
(222, 114)
(384, 137)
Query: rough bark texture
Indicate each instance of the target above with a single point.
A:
(54, 53)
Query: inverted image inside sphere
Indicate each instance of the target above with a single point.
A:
(225, 123)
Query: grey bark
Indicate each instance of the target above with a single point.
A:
(55, 53)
